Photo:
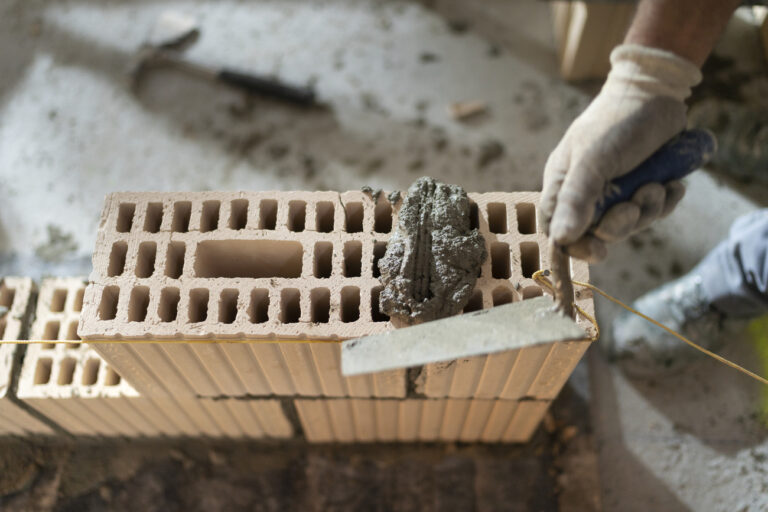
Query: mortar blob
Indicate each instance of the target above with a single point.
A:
(433, 259)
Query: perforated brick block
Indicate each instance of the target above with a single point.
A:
(73, 386)
(15, 296)
(443, 420)
(281, 269)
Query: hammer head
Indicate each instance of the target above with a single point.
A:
(173, 31)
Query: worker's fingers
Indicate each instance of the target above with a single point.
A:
(650, 198)
(675, 192)
(575, 206)
(588, 248)
(618, 222)
(554, 174)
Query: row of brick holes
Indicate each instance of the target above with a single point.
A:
(323, 259)
(297, 213)
(6, 300)
(174, 261)
(324, 216)
(290, 307)
(67, 366)
(499, 296)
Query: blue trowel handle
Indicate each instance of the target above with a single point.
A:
(679, 157)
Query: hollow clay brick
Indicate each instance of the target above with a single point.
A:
(15, 296)
(74, 387)
(445, 420)
(285, 269)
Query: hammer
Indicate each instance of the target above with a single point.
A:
(679, 157)
(173, 32)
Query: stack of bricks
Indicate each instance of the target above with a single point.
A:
(293, 274)
(16, 294)
(69, 383)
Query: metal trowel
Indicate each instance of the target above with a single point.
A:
(526, 323)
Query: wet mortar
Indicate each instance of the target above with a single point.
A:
(433, 259)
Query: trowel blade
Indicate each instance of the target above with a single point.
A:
(508, 327)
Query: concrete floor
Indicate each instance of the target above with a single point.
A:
(71, 130)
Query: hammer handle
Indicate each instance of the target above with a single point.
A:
(303, 96)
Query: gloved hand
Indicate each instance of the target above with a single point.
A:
(640, 107)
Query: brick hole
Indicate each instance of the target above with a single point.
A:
(174, 259)
(532, 291)
(350, 304)
(500, 268)
(72, 334)
(376, 314)
(145, 259)
(6, 296)
(379, 249)
(474, 215)
(502, 296)
(77, 304)
(117, 259)
(268, 214)
(168, 308)
(258, 311)
(320, 299)
(125, 214)
(90, 372)
(526, 218)
(529, 258)
(58, 300)
(108, 304)
(475, 302)
(228, 306)
(138, 304)
(353, 217)
(51, 332)
(323, 262)
(182, 211)
(248, 258)
(43, 371)
(209, 218)
(297, 215)
(497, 217)
(290, 306)
(113, 378)
(238, 215)
(66, 371)
(153, 218)
(198, 305)
(324, 212)
(382, 216)
(353, 259)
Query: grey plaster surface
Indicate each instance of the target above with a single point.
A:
(71, 130)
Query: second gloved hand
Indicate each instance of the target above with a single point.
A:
(640, 107)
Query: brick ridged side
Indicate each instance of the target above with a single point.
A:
(15, 295)
(284, 268)
(74, 387)
(450, 419)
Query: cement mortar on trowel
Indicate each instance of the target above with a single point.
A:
(433, 259)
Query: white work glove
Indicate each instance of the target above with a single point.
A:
(640, 107)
